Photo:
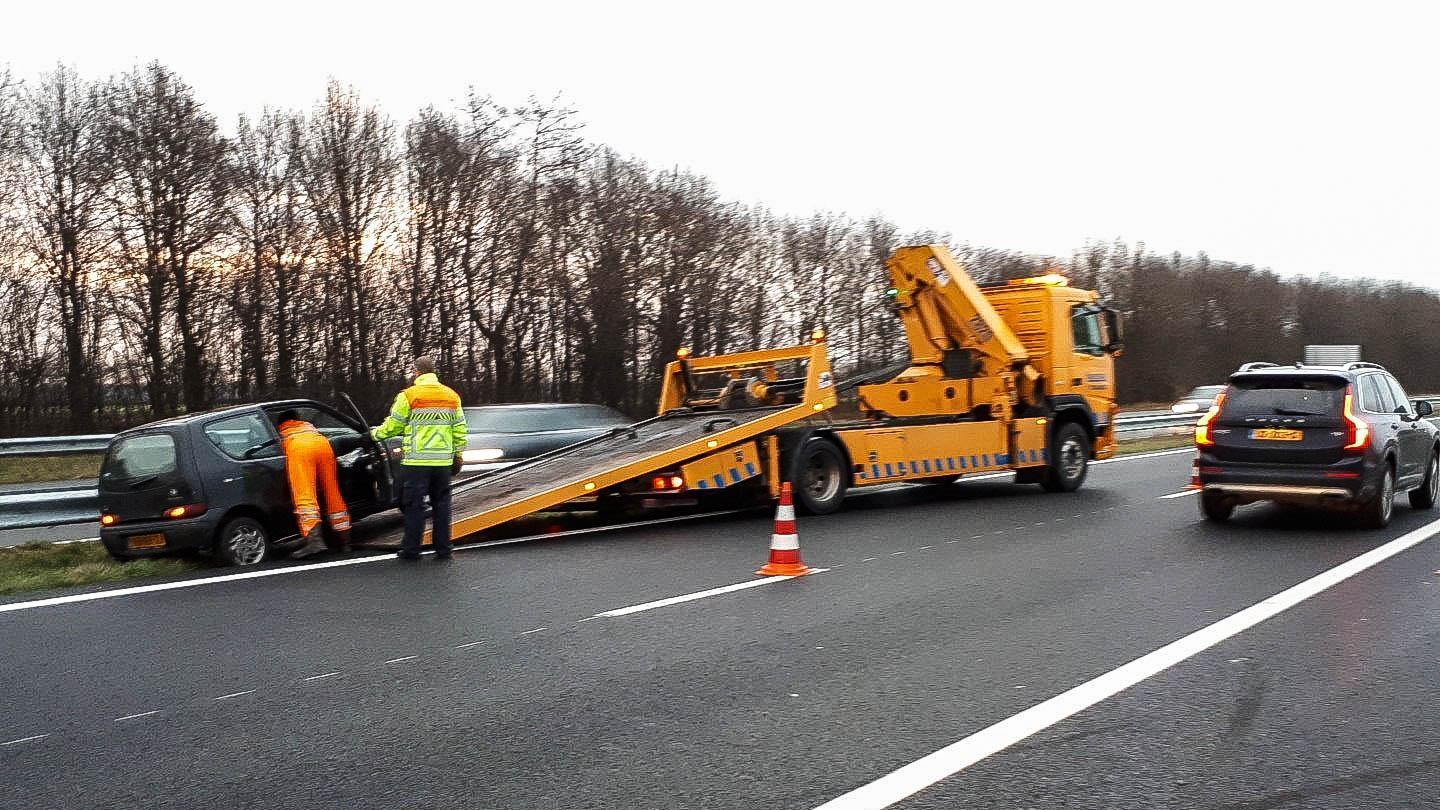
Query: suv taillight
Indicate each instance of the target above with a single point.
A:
(1357, 436)
(1202, 428)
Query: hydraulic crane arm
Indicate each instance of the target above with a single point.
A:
(943, 310)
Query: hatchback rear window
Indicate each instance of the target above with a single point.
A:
(1286, 396)
(137, 460)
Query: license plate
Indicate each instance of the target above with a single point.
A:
(146, 541)
(1277, 435)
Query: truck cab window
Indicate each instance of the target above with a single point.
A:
(1086, 325)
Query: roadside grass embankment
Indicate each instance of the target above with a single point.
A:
(37, 469)
(42, 565)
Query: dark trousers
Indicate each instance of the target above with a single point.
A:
(417, 483)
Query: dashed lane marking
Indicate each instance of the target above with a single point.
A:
(690, 597)
(322, 677)
(536, 630)
(137, 716)
(956, 757)
(1180, 494)
(31, 738)
(235, 695)
(402, 658)
(468, 644)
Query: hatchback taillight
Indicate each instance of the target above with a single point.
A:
(1357, 430)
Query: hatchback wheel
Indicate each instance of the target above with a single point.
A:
(1429, 491)
(242, 541)
(1376, 512)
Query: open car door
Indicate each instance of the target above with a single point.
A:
(384, 463)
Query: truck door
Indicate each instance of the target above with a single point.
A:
(1092, 371)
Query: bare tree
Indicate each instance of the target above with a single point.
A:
(66, 169)
(171, 198)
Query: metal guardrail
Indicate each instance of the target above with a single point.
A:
(55, 445)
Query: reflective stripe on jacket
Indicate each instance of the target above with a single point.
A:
(429, 415)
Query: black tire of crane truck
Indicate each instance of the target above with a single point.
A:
(1069, 459)
(818, 477)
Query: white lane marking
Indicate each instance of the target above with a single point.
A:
(134, 716)
(872, 559)
(322, 677)
(922, 548)
(1180, 494)
(690, 597)
(234, 694)
(80, 540)
(402, 658)
(896, 553)
(953, 758)
(536, 630)
(301, 569)
(1140, 456)
(467, 644)
(26, 739)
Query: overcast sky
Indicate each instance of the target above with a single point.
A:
(1300, 136)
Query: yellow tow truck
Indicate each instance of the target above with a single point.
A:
(1015, 377)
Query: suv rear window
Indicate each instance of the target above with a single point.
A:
(1286, 396)
(134, 460)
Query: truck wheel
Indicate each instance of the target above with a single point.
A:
(1216, 507)
(819, 479)
(242, 541)
(1069, 459)
(1429, 491)
(1375, 513)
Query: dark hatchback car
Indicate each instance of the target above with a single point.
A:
(215, 482)
(1317, 435)
(501, 435)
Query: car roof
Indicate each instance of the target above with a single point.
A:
(191, 418)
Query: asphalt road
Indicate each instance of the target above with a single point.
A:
(489, 682)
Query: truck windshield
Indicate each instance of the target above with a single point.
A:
(137, 460)
(1290, 396)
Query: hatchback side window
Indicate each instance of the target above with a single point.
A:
(1402, 400)
(325, 422)
(243, 437)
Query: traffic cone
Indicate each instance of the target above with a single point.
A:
(784, 543)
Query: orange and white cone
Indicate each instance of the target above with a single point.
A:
(785, 543)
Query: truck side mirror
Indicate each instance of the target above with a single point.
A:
(1114, 330)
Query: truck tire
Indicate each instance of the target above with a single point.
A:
(1375, 513)
(1429, 490)
(1216, 507)
(242, 541)
(819, 478)
(1069, 459)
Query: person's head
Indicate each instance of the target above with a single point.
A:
(424, 364)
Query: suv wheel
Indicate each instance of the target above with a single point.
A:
(242, 541)
(1375, 513)
(1429, 491)
(1069, 459)
(1216, 507)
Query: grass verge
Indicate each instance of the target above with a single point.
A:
(38, 566)
(34, 469)
(1154, 443)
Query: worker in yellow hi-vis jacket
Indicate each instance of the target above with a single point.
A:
(430, 417)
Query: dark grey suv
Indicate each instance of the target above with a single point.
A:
(1343, 436)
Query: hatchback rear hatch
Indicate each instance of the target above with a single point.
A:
(142, 477)
(1278, 418)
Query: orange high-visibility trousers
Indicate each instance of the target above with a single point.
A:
(310, 459)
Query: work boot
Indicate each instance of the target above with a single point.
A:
(314, 545)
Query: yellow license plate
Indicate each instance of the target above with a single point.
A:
(146, 541)
(1277, 435)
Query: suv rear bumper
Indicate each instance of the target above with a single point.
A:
(1346, 480)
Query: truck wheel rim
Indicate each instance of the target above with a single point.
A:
(822, 477)
(1072, 458)
(247, 545)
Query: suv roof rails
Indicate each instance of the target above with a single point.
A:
(1253, 366)
(1362, 364)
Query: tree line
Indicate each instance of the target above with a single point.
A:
(155, 261)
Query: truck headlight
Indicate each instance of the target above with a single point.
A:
(481, 454)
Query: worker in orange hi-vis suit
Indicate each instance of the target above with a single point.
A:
(310, 459)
